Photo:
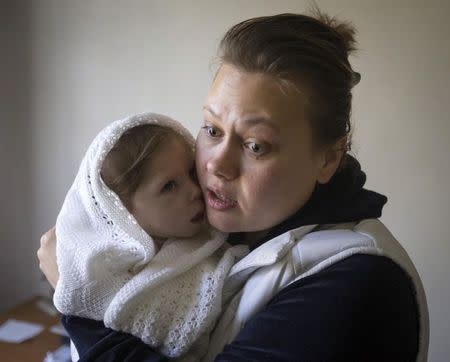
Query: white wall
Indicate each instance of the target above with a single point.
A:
(96, 61)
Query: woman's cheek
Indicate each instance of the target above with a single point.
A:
(201, 154)
(199, 151)
(261, 186)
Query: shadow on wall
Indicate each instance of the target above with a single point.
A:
(17, 258)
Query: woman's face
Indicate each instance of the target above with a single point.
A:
(255, 159)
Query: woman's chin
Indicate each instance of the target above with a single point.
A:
(222, 222)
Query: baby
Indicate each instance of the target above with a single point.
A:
(134, 249)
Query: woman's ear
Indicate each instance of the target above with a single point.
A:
(331, 160)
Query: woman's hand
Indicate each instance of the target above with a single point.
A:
(47, 257)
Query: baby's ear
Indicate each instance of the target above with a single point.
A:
(331, 160)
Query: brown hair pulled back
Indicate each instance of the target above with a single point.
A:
(310, 52)
(122, 169)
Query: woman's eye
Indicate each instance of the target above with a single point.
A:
(211, 131)
(256, 148)
(169, 186)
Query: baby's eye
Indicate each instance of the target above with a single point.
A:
(169, 186)
(211, 131)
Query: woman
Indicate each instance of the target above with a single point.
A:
(322, 282)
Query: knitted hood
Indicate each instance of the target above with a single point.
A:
(111, 270)
(94, 201)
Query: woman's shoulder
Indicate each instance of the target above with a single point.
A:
(367, 298)
(360, 308)
(361, 274)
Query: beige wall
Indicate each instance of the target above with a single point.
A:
(95, 61)
(17, 265)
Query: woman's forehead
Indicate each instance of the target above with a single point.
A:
(253, 98)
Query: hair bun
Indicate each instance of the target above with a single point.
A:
(344, 29)
(356, 78)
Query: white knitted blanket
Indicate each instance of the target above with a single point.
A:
(110, 270)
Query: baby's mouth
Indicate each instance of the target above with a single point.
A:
(198, 218)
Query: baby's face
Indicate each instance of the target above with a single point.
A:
(168, 202)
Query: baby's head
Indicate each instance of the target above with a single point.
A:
(151, 168)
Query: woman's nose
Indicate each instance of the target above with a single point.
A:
(223, 162)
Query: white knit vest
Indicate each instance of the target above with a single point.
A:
(297, 254)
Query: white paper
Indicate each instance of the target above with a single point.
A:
(15, 331)
(59, 329)
(47, 307)
(62, 354)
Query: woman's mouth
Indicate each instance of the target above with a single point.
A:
(218, 201)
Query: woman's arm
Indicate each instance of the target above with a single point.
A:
(94, 342)
(362, 308)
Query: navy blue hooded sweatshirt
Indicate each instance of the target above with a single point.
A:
(362, 308)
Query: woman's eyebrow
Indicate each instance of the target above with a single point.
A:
(267, 122)
(207, 108)
(250, 122)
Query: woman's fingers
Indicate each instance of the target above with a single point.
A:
(47, 257)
